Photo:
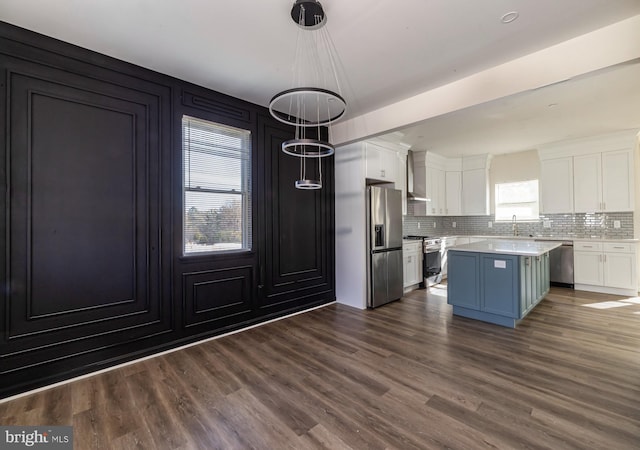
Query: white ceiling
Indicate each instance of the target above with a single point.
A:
(388, 50)
(601, 102)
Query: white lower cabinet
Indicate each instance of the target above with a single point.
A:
(588, 267)
(620, 270)
(605, 267)
(447, 242)
(412, 259)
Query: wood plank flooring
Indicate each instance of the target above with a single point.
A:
(407, 375)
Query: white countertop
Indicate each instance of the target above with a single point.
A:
(549, 238)
(519, 247)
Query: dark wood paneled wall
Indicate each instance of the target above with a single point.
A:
(92, 272)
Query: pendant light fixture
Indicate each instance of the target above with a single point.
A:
(315, 101)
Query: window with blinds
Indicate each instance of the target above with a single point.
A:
(217, 187)
(518, 199)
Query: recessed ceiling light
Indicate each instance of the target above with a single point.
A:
(509, 17)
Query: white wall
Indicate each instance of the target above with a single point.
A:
(351, 246)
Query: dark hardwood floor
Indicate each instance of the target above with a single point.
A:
(406, 375)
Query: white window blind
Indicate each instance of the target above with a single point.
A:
(518, 199)
(217, 187)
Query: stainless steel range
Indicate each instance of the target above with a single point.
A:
(431, 259)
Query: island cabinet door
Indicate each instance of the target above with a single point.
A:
(500, 284)
(463, 282)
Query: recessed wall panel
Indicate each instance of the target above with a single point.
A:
(82, 206)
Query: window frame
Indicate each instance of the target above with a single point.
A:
(246, 192)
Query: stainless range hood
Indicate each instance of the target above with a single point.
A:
(416, 183)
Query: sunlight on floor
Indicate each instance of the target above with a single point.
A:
(439, 290)
(615, 303)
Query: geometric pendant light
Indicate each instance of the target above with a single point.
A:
(315, 101)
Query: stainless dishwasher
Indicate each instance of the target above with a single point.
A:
(561, 264)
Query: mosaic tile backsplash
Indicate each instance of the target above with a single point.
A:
(591, 225)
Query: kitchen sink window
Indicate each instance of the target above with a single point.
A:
(216, 187)
(519, 199)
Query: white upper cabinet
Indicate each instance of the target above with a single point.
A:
(381, 163)
(617, 181)
(475, 185)
(455, 186)
(436, 187)
(435, 191)
(587, 183)
(556, 185)
(475, 193)
(603, 181)
(453, 192)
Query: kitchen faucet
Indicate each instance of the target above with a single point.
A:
(514, 225)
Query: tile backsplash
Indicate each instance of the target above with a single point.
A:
(578, 225)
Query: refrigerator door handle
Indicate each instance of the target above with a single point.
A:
(379, 234)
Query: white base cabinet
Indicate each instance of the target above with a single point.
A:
(412, 262)
(608, 267)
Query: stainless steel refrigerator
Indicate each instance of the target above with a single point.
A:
(384, 241)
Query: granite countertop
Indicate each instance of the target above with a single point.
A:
(519, 247)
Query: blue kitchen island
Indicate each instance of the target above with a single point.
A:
(498, 280)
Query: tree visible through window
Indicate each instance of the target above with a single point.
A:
(518, 199)
(217, 187)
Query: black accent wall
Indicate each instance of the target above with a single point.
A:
(92, 272)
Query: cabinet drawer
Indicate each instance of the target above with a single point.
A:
(587, 246)
(618, 247)
(413, 247)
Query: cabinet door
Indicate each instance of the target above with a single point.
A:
(556, 185)
(475, 192)
(587, 268)
(431, 191)
(617, 181)
(373, 161)
(620, 270)
(381, 163)
(463, 285)
(417, 267)
(401, 179)
(453, 191)
(411, 265)
(389, 165)
(587, 183)
(441, 191)
(406, 268)
(500, 284)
